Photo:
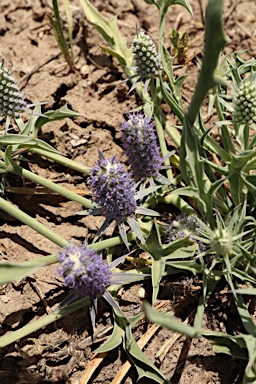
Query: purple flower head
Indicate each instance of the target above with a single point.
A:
(83, 270)
(113, 188)
(140, 146)
(11, 100)
(185, 226)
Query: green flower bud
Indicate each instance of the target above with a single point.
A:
(145, 56)
(11, 100)
(244, 103)
(221, 241)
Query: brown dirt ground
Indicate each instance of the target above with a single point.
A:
(60, 353)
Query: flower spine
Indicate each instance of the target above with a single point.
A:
(140, 146)
(11, 100)
(145, 56)
(113, 189)
(83, 270)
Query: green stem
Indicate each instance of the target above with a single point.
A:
(43, 322)
(72, 164)
(173, 133)
(214, 43)
(227, 142)
(159, 124)
(34, 224)
(100, 246)
(176, 109)
(50, 185)
(178, 202)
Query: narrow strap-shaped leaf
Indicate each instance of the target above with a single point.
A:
(215, 40)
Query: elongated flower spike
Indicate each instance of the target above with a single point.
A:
(146, 59)
(145, 56)
(141, 147)
(244, 102)
(11, 100)
(12, 103)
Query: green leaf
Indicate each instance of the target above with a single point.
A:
(250, 372)
(209, 284)
(229, 347)
(215, 40)
(110, 32)
(42, 322)
(62, 113)
(114, 340)
(13, 139)
(10, 272)
(165, 4)
(170, 322)
(22, 141)
(158, 253)
(245, 316)
(180, 266)
(155, 248)
(144, 366)
(59, 35)
(29, 128)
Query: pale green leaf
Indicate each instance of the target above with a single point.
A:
(10, 272)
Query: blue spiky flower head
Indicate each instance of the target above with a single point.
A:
(113, 189)
(11, 100)
(244, 101)
(83, 270)
(89, 276)
(140, 146)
